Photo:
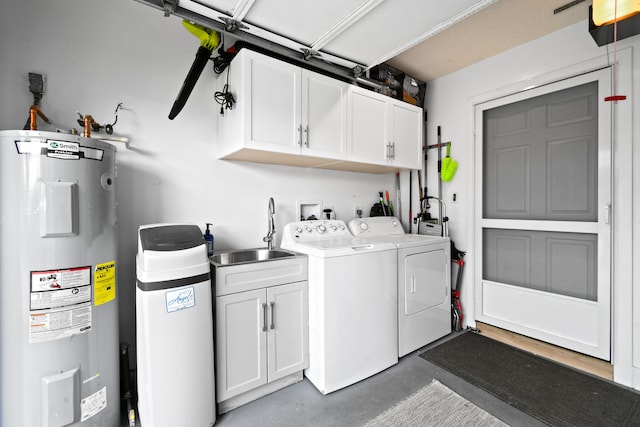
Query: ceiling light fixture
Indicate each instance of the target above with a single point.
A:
(608, 11)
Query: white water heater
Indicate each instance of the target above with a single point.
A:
(59, 349)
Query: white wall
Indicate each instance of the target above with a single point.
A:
(571, 51)
(96, 54)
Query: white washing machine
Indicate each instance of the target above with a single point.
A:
(423, 280)
(353, 329)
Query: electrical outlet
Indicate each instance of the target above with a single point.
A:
(328, 212)
(358, 212)
(36, 83)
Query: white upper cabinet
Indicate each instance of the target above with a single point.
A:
(383, 130)
(284, 114)
(405, 135)
(269, 97)
(324, 116)
(368, 127)
(282, 109)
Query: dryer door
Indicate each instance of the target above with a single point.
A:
(425, 281)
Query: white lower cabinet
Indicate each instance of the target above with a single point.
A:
(261, 339)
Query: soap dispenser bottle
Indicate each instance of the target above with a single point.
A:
(208, 238)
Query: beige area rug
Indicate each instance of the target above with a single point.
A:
(435, 405)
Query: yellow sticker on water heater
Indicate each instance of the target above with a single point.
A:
(104, 283)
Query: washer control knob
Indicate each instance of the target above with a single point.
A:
(341, 227)
(334, 228)
(395, 223)
(321, 228)
(298, 230)
(364, 226)
(309, 230)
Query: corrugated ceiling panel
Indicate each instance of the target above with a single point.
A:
(304, 21)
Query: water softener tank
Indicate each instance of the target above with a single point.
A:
(174, 327)
(58, 308)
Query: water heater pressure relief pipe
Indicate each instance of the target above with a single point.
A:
(88, 122)
(34, 112)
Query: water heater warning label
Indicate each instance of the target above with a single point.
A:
(104, 283)
(60, 303)
(91, 405)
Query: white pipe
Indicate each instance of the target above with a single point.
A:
(110, 138)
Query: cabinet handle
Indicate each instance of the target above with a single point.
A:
(264, 317)
(306, 134)
(607, 214)
(272, 303)
(300, 135)
(389, 151)
(393, 150)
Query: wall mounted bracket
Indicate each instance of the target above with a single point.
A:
(169, 6)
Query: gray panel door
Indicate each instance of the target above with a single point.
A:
(543, 220)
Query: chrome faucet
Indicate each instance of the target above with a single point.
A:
(270, 224)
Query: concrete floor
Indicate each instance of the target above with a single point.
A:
(302, 405)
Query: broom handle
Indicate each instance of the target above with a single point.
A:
(410, 200)
(439, 177)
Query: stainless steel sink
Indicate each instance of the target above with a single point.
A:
(249, 269)
(250, 255)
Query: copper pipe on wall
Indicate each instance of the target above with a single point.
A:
(88, 121)
(34, 112)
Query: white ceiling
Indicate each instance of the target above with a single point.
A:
(495, 29)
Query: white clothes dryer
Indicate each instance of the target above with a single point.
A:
(423, 280)
(353, 329)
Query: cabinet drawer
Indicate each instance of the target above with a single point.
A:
(240, 278)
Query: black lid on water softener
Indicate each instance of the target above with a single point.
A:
(171, 237)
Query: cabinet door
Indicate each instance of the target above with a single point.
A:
(367, 126)
(271, 101)
(240, 343)
(406, 135)
(324, 116)
(288, 337)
